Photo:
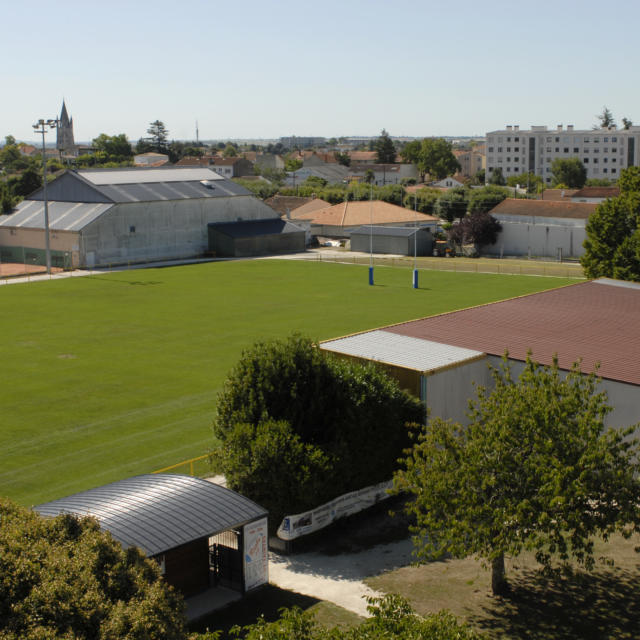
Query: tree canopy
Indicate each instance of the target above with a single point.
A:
(612, 245)
(569, 172)
(605, 119)
(158, 136)
(453, 204)
(433, 156)
(116, 148)
(535, 469)
(299, 427)
(478, 228)
(391, 618)
(385, 149)
(64, 577)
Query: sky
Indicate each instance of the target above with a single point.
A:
(324, 68)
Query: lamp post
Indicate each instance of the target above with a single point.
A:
(371, 234)
(415, 241)
(41, 127)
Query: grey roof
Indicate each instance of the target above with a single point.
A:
(407, 352)
(63, 216)
(158, 512)
(140, 185)
(400, 232)
(250, 228)
(139, 176)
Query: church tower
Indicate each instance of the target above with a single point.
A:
(64, 138)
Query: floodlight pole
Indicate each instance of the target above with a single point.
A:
(371, 234)
(41, 127)
(415, 241)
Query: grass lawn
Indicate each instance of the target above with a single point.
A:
(113, 375)
(589, 606)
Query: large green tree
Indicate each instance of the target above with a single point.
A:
(485, 198)
(529, 181)
(65, 578)
(433, 156)
(453, 204)
(158, 136)
(326, 426)
(569, 172)
(385, 149)
(116, 148)
(611, 245)
(535, 469)
(605, 119)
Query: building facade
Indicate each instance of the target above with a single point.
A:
(603, 152)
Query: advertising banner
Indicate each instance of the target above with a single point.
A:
(345, 505)
(256, 557)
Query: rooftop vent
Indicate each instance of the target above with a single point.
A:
(207, 183)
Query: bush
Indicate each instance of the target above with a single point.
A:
(292, 415)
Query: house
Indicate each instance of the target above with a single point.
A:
(541, 228)
(403, 241)
(383, 174)
(595, 194)
(313, 205)
(332, 173)
(150, 159)
(115, 216)
(448, 183)
(441, 359)
(363, 157)
(232, 167)
(471, 160)
(603, 152)
(202, 535)
(339, 220)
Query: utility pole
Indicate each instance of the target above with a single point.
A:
(41, 127)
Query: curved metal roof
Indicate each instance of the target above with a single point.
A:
(158, 512)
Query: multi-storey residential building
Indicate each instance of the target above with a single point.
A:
(604, 152)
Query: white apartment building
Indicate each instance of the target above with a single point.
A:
(604, 152)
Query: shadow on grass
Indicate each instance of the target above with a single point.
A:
(266, 601)
(604, 604)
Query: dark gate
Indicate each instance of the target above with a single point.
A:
(225, 560)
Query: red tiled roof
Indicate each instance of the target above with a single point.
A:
(558, 194)
(313, 205)
(597, 192)
(544, 208)
(597, 321)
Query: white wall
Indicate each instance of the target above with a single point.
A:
(163, 229)
(526, 235)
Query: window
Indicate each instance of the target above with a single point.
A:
(516, 149)
(508, 149)
(586, 150)
(566, 150)
(516, 139)
(614, 139)
(508, 169)
(499, 149)
(548, 138)
(605, 160)
(595, 161)
(557, 139)
(490, 139)
(508, 138)
(576, 150)
(586, 139)
(508, 159)
(614, 159)
(585, 160)
(606, 139)
(613, 170)
(604, 170)
(547, 160)
(596, 150)
(547, 170)
(132, 229)
(613, 149)
(596, 139)
(548, 149)
(557, 149)
(606, 150)
(490, 149)
(499, 138)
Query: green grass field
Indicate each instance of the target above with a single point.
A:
(114, 375)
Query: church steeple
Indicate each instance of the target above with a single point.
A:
(64, 139)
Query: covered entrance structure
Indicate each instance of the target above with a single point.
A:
(201, 534)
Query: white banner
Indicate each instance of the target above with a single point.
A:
(256, 558)
(345, 505)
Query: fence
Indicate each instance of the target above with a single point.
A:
(197, 466)
(474, 265)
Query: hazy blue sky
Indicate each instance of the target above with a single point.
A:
(351, 67)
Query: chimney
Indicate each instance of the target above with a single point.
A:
(516, 127)
(569, 127)
(559, 127)
(509, 127)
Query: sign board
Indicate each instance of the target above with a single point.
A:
(255, 556)
(345, 505)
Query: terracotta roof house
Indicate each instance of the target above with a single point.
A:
(543, 228)
(440, 358)
(314, 205)
(557, 194)
(285, 204)
(595, 194)
(340, 219)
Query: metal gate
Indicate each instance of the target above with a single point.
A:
(225, 560)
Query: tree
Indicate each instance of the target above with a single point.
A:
(292, 164)
(433, 156)
(158, 136)
(334, 425)
(27, 183)
(629, 181)
(230, 151)
(423, 200)
(116, 148)
(478, 228)
(453, 204)
(64, 577)
(342, 158)
(391, 618)
(626, 124)
(497, 177)
(316, 181)
(7, 200)
(529, 180)
(369, 176)
(385, 149)
(485, 198)
(605, 119)
(535, 469)
(569, 171)
(612, 223)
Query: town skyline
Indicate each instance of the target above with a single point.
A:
(263, 72)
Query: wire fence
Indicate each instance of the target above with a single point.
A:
(467, 265)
